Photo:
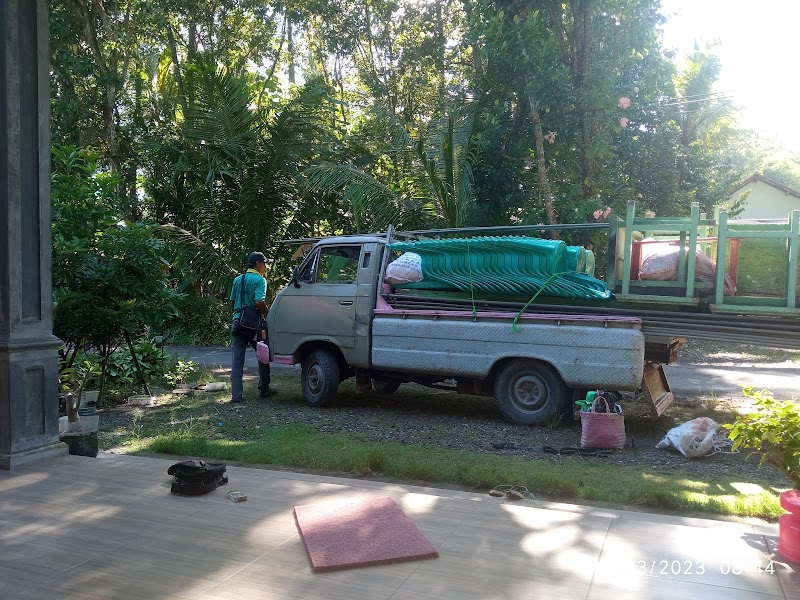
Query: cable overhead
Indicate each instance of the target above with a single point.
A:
(652, 106)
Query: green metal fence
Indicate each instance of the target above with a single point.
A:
(759, 258)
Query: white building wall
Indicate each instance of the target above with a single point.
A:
(765, 202)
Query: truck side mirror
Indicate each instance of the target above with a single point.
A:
(295, 283)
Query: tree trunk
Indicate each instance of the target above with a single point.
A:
(191, 57)
(103, 365)
(541, 165)
(89, 18)
(575, 43)
(582, 42)
(477, 62)
(340, 81)
(73, 403)
(441, 42)
(136, 362)
(290, 49)
(271, 73)
(109, 116)
(176, 69)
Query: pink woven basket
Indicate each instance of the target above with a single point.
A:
(602, 430)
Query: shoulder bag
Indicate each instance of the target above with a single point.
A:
(249, 321)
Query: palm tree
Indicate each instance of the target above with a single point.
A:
(701, 108)
(702, 113)
(431, 181)
(243, 169)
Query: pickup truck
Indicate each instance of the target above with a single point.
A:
(334, 320)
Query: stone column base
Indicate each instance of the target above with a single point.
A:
(16, 459)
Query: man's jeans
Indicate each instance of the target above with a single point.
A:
(239, 344)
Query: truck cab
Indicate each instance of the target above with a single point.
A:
(329, 302)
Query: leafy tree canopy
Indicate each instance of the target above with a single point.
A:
(234, 124)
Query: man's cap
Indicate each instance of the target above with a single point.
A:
(256, 257)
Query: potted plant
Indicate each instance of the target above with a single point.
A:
(78, 431)
(773, 431)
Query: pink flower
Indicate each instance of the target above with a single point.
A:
(624, 102)
(551, 136)
(623, 122)
(601, 213)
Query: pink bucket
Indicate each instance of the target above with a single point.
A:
(262, 353)
(789, 527)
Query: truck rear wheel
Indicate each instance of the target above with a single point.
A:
(320, 377)
(530, 393)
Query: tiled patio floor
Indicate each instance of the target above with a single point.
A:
(109, 529)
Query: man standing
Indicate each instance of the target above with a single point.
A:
(255, 294)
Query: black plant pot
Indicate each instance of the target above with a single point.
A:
(88, 410)
(81, 444)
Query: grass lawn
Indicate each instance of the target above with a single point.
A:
(206, 426)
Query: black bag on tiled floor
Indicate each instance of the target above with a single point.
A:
(196, 477)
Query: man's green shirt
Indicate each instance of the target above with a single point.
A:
(255, 288)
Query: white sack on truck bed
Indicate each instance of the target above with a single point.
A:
(406, 269)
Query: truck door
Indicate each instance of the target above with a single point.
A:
(324, 304)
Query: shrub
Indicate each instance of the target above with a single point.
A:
(109, 276)
(200, 321)
(121, 369)
(181, 371)
(773, 431)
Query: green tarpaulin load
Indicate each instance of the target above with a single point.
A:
(506, 265)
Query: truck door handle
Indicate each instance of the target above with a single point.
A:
(346, 302)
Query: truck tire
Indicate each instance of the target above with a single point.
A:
(385, 387)
(571, 409)
(530, 393)
(320, 377)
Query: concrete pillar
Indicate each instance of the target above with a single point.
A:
(28, 349)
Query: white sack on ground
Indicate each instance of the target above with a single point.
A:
(694, 438)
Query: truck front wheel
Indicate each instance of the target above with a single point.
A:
(320, 378)
(530, 393)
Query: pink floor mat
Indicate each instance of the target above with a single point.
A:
(356, 534)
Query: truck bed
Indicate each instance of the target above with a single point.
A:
(586, 350)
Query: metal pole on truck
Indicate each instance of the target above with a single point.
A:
(385, 258)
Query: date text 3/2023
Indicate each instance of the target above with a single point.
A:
(664, 568)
